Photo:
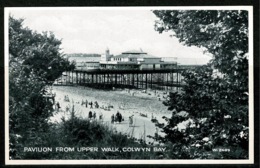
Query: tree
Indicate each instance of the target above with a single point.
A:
(215, 97)
(35, 61)
(224, 34)
(39, 53)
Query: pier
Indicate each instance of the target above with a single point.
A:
(166, 79)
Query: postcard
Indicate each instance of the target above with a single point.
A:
(129, 85)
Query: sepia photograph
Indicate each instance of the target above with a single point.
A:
(129, 85)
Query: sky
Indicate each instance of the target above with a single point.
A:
(93, 30)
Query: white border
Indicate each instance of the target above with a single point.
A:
(101, 162)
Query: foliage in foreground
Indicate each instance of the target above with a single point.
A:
(35, 61)
(76, 133)
(210, 115)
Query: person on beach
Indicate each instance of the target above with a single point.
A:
(86, 104)
(112, 119)
(91, 104)
(67, 108)
(90, 114)
(117, 114)
(131, 120)
(94, 115)
(118, 117)
(101, 116)
(96, 104)
(58, 106)
(66, 98)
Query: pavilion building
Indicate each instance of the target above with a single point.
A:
(136, 60)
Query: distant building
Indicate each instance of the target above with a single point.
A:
(85, 61)
(129, 60)
(106, 56)
(135, 60)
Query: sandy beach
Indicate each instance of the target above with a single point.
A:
(143, 105)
